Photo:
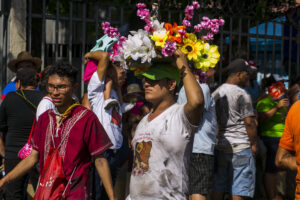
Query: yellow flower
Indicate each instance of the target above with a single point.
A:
(210, 56)
(192, 47)
(160, 37)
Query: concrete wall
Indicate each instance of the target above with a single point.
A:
(17, 30)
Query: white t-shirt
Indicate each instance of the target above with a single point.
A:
(233, 105)
(45, 104)
(110, 119)
(161, 154)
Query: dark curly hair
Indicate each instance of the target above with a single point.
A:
(64, 69)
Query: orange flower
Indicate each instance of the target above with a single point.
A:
(173, 31)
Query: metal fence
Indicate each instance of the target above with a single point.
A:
(3, 42)
(66, 33)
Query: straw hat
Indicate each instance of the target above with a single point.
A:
(24, 56)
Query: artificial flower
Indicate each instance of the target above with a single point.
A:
(196, 5)
(169, 49)
(110, 31)
(209, 58)
(139, 46)
(157, 26)
(186, 23)
(159, 37)
(141, 5)
(174, 35)
(192, 47)
(189, 12)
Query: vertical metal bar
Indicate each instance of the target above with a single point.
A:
(29, 26)
(239, 37)
(109, 13)
(248, 39)
(281, 50)
(256, 43)
(97, 23)
(4, 50)
(290, 53)
(83, 44)
(56, 30)
(221, 53)
(181, 16)
(122, 16)
(169, 15)
(273, 48)
(230, 40)
(70, 31)
(265, 49)
(43, 34)
(2, 83)
(5, 31)
(7, 48)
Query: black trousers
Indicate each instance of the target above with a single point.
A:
(16, 190)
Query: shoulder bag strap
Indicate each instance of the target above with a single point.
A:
(31, 130)
(24, 97)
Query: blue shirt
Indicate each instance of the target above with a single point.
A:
(10, 87)
(205, 136)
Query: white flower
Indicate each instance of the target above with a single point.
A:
(139, 46)
(157, 26)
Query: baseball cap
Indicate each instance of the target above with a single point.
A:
(238, 65)
(160, 71)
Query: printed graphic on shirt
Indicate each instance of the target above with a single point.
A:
(141, 158)
(116, 118)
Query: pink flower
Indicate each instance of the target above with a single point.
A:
(110, 31)
(186, 23)
(205, 25)
(148, 28)
(188, 17)
(215, 21)
(205, 19)
(197, 28)
(209, 36)
(196, 5)
(141, 5)
(105, 24)
(189, 10)
(122, 39)
(214, 30)
(143, 13)
(169, 49)
(221, 22)
(182, 32)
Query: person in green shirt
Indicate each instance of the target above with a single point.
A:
(271, 112)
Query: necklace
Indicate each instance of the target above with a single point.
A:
(61, 117)
(64, 115)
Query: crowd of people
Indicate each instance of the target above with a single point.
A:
(176, 136)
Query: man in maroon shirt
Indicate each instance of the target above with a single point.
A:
(85, 137)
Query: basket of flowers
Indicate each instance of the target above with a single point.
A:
(159, 40)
